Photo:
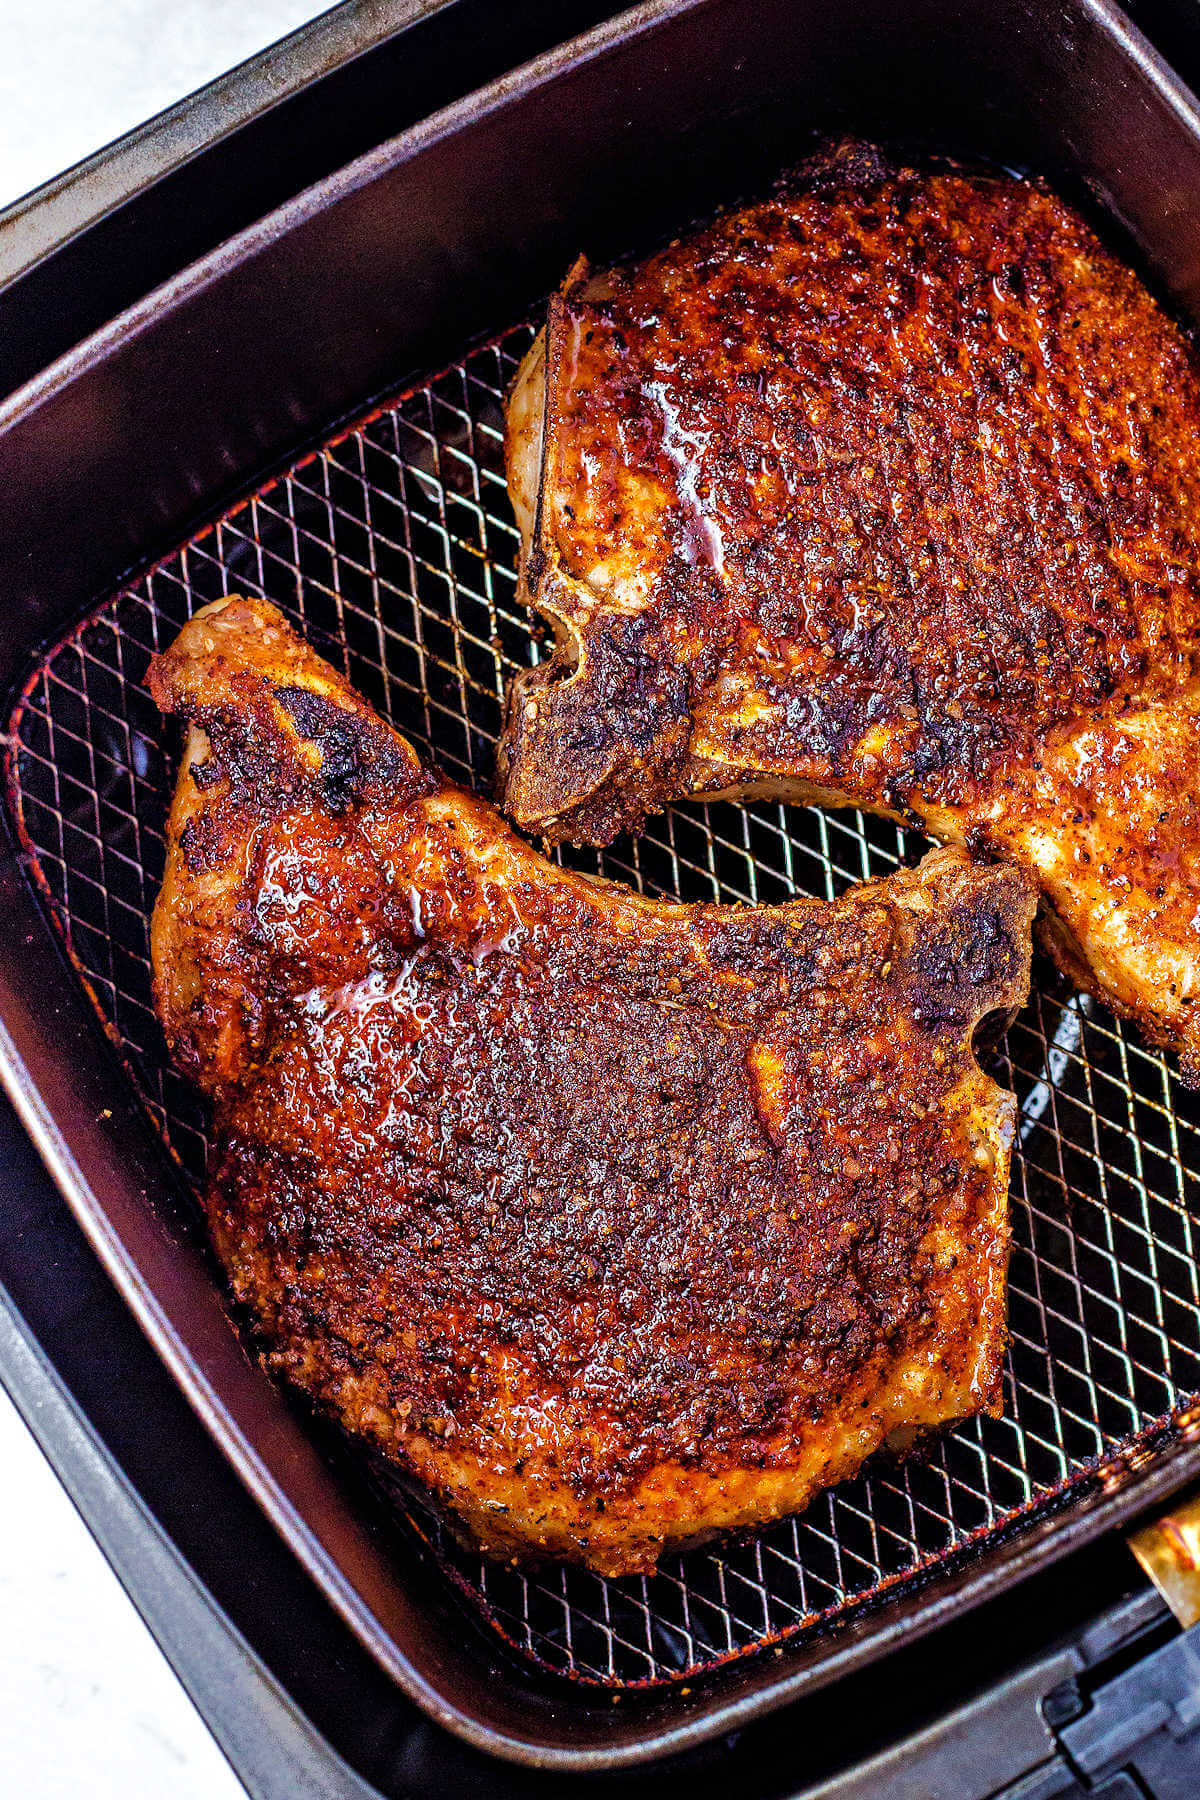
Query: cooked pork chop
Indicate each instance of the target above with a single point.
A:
(884, 492)
(616, 1223)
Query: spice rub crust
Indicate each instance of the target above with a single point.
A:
(615, 1223)
(880, 492)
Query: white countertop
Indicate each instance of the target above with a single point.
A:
(75, 74)
(89, 1707)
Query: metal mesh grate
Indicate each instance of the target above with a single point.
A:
(394, 549)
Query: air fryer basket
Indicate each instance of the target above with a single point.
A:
(393, 548)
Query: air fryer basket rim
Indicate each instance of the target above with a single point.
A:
(68, 1141)
(39, 222)
(341, 183)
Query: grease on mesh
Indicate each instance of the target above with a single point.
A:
(393, 549)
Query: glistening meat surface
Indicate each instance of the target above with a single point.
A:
(882, 492)
(613, 1222)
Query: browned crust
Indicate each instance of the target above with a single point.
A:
(616, 1223)
(882, 492)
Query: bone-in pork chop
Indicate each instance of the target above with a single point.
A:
(884, 492)
(614, 1222)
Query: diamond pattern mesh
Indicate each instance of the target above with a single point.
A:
(393, 548)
